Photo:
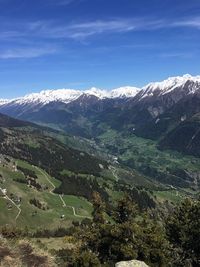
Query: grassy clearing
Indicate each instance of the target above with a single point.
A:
(170, 195)
(30, 215)
(52, 243)
(81, 205)
(7, 215)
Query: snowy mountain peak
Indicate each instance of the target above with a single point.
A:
(97, 92)
(182, 85)
(68, 95)
(47, 96)
(4, 101)
(170, 84)
(123, 92)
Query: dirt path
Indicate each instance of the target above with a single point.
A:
(64, 204)
(80, 216)
(60, 196)
(9, 199)
(47, 178)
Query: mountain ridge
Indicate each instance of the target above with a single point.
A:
(151, 112)
(69, 95)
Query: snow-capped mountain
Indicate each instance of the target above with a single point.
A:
(69, 95)
(4, 101)
(47, 96)
(124, 92)
(180, 85)
(150, 111)
(186, 84)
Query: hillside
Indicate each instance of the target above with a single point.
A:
(185, 137)
(112, 125)
(55, 182)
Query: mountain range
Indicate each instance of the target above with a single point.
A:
(166, 111)
(66, 144)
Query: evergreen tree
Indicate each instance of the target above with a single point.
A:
(131, 236)
(99, 208)
(126, 210)
(183, 229)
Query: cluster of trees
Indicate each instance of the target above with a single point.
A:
(80, 186)
(138, 194)
(130, 234)
(38, 204)
(183, 232)
(30, 178)
(27, 172)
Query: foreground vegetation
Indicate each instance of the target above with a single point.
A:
(131, 234)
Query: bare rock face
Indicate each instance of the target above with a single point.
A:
(132, 263)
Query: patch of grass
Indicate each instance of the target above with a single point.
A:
(81, 205)
(7, 216)
(30, 215)
(170, 195)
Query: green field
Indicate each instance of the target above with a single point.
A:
(143, 155)
(31, 215)
(170, 195)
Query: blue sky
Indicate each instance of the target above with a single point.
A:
(48, 44)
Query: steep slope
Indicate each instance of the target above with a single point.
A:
(170, 103)
(44, 182)
(185, 137)
(32, 166)
(32, 144)
(6, 121)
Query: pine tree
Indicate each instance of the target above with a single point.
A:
(99, 208)
(183, 229)
(126, 210)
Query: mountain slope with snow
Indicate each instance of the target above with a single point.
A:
(124, 92)
(186, 84)
(69, 95)
(150, 112)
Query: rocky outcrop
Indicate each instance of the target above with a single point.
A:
(132, 263)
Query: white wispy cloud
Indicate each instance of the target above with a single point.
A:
(184, 55)
(82, 30)
(189, 22)
(79, 30)
(53, 31)
(25, 53)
